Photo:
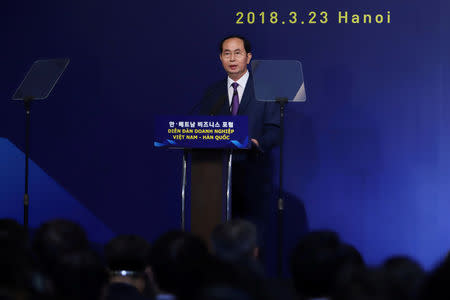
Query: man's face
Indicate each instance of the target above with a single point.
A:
(234, 58)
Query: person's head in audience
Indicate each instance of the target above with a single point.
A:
(79, 275)
(127, 259)
(224, 280)
(235, 241)
(51, 241)
(178, 260)
(349, 255)
(404, 277)
(361, 283)
(15, 259)
(437, 284)
(314, 264)
(56, 237)
(224, 292)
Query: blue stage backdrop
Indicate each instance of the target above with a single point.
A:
(367, 155)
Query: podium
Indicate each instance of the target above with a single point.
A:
(207, 143)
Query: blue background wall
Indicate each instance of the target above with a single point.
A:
(368, 155)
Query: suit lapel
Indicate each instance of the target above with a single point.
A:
(220, 106)
(226, 103)
(248, 94)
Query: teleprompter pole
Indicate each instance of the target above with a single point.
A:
(26, 198)
(37, 85)
(282, 102)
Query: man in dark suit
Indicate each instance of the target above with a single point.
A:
(252, 169)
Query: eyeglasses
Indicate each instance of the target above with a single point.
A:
(237, 54)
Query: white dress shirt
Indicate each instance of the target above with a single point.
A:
(240, 89)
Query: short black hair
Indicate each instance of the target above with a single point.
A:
(78, 275)
(247, 45)
(357, 282)
(234, 240)
(127, 252)
(437, 282)
(405, 276)
(315, 262)
(56, 237)
(178, 260)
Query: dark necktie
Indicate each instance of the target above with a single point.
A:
(235, 100)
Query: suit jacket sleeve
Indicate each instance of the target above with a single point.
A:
(271, 130)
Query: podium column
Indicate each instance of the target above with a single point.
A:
(207, 191)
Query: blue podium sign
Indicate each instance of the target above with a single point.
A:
(202, 132)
